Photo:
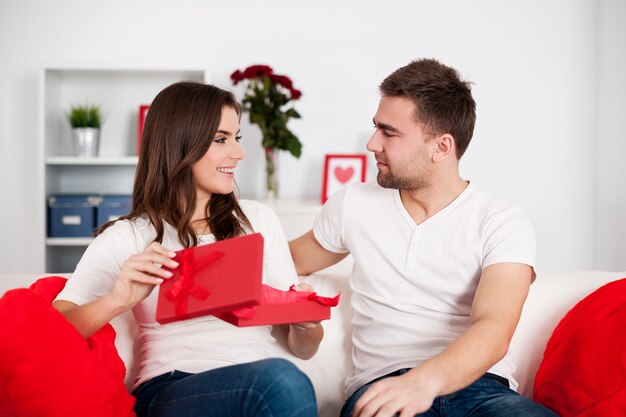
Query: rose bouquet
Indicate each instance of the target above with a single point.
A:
(266, 100)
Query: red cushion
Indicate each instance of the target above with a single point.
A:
(583, 372)
(48, 369)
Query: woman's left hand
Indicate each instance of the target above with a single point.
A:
(304, 338)
(304, 325)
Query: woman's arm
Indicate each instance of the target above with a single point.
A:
(139, 275)
(304, 338)
(303, 341)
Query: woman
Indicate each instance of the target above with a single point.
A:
(184, 196)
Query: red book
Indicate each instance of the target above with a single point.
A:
(141, 120)
(282, 307)
(213, 278)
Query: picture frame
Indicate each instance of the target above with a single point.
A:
(141, 120)
(341, 170)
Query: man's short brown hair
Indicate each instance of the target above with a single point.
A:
(443, 101)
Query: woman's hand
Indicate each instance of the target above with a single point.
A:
(305, 325)
(304, 338)
(140, 274)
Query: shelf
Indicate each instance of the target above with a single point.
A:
(68, 241)
(90, 161)
(121, 72)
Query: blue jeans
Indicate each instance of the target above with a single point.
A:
(486, 397)
(271, 387)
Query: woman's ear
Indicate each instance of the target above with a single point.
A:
(445, 147)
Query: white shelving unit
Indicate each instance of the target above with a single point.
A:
(119, 92)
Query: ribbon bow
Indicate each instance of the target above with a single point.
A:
(184, 285)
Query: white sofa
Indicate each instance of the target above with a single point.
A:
(551, 296)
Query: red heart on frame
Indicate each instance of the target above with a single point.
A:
(344, 174)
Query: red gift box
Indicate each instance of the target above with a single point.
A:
(281, 307)
(213, 278)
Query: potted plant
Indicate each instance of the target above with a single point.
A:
(266, 100)
(85, 121)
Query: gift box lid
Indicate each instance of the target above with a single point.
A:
(212, 278)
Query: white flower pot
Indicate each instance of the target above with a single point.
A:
(86, 141)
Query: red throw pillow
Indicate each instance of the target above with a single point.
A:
(48, 369)
(583, 372)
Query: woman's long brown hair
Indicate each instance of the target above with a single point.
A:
(181, 124)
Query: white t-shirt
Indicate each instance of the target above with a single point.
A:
(413, 285)
(193, 345)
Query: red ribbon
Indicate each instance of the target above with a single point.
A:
(184, 285)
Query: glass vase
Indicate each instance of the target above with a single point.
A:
(271, 173)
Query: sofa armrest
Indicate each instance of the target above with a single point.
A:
(551, 296)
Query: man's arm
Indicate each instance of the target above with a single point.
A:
(495, 313)
(309, 256)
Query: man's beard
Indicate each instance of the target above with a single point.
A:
(388, 180)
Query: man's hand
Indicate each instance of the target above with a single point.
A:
(495, 312)
(405, 394)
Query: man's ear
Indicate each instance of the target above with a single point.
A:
(445, 147)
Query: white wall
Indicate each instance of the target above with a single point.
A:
(609, 136)
(534, 64)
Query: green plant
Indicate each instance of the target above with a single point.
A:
(85, 116)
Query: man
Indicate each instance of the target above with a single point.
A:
(442, 268)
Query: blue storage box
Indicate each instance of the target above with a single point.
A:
(112, 207)
(72, 215)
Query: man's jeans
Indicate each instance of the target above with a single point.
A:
(486, 397)
(271, 387)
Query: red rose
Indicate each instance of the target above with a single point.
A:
(282, 80)
(266, 105)
(264, 70)
(236, 77)
(255, 71)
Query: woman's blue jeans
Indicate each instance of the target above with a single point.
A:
(271, 387)
(484, 398)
